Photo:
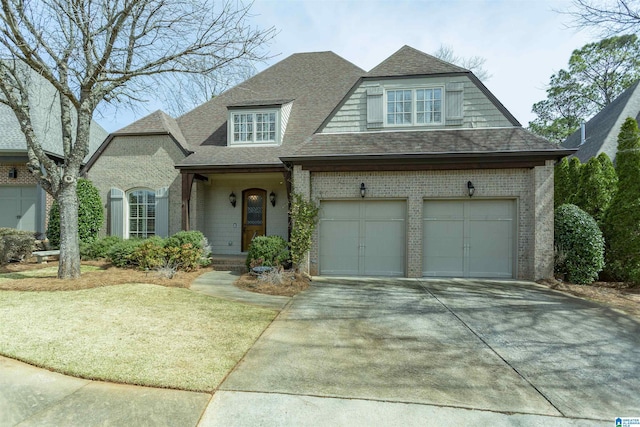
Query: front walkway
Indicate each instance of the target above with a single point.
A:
(220, 284)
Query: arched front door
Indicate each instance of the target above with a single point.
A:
(254, 215)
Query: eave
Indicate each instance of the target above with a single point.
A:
(427, 161)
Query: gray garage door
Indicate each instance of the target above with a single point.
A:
(18, 207)
(364, 238)
(471, 238)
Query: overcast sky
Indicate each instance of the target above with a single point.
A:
(523, 41)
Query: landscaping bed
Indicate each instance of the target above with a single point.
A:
(617, 295)
(288, 284)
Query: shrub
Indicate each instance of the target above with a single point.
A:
(120, 254)
(90, 214)
(185, 257)
(149, 254)
(15, 245)
(272, 249)
(579, 245)
(622, 221)
(304, 217)
(594, 191)
(98, 248)
(562, 186)
(196, 239)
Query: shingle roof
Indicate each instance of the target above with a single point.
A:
(473, 141)
(45, 116)
(156, 122)
(602, 130)
(316, 82)
(410, 61)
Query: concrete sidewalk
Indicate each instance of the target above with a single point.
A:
(30, 396)
(220, 284)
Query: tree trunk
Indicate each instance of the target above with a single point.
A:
(69, 266)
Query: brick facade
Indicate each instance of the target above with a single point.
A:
(131, 162)
(532, 189)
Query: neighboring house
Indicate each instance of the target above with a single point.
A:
(23, 202)
(601, 132)
(417, 168)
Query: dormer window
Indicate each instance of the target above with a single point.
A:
(260, 127)
(257, 123)
(414, 107)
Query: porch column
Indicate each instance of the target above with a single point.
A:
(288, 182)
(187, 183)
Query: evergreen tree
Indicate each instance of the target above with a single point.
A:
(593, 196)
(575, 171)
(561, 183)
(622, 222)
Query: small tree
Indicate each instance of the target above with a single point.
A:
(304, 217)
(561, 183)
(579, 243)
(90, 214)
(622, 222)
(594, 194)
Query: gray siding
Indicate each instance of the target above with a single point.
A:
(478, 110)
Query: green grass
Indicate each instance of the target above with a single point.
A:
(135, 334)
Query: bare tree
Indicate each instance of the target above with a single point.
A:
(93, 51)
(196, 89)
(474, 63)
(610, 17)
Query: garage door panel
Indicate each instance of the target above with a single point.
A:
(479, 244)
(365, 237)
(384, 250)
(18, 207)
(443, 248)
(342, 258)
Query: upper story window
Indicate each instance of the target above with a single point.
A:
(414, 107)
(254, 127)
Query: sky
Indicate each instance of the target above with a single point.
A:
(524, 42)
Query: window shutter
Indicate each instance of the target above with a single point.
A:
(162, 212)
(454, 97)
(116, 212)
(375, 108)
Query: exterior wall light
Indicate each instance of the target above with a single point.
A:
(232, 199)
(470, 188)
(363, 190)
(272, 198)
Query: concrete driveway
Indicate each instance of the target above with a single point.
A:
(399, 352)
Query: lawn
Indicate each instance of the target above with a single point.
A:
(131, 333)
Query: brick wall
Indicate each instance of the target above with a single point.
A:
(532, 189)
(140, 162)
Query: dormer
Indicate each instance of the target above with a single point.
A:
(414, 103)
(257, 123)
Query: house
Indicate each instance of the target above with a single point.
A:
(417, 168)
(601, 132)
(24, 204)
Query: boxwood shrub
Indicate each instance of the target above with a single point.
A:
(15, 245)
(272, 250)
(579, 245)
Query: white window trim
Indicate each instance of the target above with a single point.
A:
(414, 109)
(230, 130)
(127, 209)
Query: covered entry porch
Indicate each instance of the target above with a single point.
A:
(232, 207)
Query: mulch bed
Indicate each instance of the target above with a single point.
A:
(294, 286)
(617, 295)
(107, 275)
